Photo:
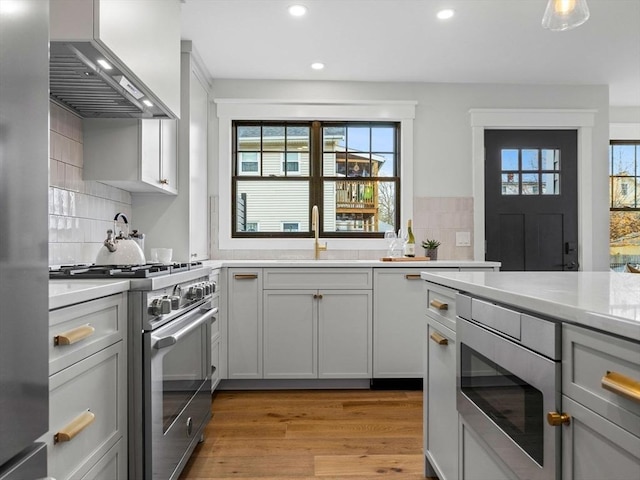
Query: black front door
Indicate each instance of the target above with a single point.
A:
(531, 199)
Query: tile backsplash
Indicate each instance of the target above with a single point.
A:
(80, 212)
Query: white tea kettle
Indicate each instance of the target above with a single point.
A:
(121, 249)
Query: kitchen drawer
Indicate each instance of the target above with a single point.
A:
(318, 278)
(93, 385)
(587, 356)
(112, 466)
(494, 316)
(215, 326)
(441, 305)
(89, 327)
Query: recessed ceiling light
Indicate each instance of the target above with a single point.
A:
(446, 14)
(297, 10)
(317, 65)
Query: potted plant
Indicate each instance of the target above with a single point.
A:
(431, 248)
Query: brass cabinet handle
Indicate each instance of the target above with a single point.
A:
(556, 419)
(164, 181)
(245, 276)
(318, 296)
(73, 428)
(439, 305)
(412, 276)
(74, 335)
(622, 385)
(439, 339)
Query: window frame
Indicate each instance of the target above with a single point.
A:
(316, 178)
(636, 176)
(229, 109)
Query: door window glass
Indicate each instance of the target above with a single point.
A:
(530, 171)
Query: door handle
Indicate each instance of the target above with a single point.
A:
(163, 342)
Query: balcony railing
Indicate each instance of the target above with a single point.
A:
(355, 195)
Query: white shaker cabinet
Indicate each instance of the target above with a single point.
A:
(135, 155)
(398, 314)
(318, 323)
(602, 439)
(244, 323)
(88, 390)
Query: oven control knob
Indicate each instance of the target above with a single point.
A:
(199, 292)
(207, 288)
(165, 305)
(156, 307)
(175, 302)
(191, 293)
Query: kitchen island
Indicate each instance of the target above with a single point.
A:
(598, 373)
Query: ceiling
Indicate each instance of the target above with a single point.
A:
(487, 41)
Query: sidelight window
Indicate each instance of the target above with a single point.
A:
(350, 170)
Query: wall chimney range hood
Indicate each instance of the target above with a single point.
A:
(79, 78)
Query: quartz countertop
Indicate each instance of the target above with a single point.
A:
(67, 292)
(305, 263)
(607, 301)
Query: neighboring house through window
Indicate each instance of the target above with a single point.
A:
(350, 170)
(624, 195)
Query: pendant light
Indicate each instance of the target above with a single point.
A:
(565, 14)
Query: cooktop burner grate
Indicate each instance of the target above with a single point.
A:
(119, 271)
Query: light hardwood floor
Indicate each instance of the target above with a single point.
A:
(306, 434)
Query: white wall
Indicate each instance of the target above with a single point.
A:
(442, 134)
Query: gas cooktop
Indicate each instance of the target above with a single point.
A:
(119, 271)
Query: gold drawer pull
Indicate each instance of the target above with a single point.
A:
(439, 305)
(412, 276)
(75, 335)
(245, 276)
(622, 385)
(439, 339)
(78, 424)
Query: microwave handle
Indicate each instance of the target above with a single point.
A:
(169, 340)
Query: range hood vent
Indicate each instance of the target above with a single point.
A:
(78, 81)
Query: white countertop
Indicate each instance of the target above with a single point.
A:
(349, 263)
(67, 292)
(607, 301)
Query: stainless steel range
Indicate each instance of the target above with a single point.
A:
(169, 354)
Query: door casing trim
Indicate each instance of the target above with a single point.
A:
(536, 119)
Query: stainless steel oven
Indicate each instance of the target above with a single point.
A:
(170, 371)
(508, 380)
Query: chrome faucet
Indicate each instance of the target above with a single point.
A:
(315, 226)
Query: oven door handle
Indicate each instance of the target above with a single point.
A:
(174, 338)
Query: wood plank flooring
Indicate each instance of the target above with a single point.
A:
(307, 434)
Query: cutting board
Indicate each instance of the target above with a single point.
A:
(405, 259)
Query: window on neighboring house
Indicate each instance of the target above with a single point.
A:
(291, 165)
(290, 226)
(249, 163)
(624, 196)
(350, 170)
(252, 227)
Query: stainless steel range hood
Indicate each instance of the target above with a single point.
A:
(80, 78)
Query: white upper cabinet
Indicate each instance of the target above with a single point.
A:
(143, 35)
(135, 155)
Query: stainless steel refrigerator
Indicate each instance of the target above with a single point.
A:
(24, 168)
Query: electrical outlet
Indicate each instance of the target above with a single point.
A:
(463, 239)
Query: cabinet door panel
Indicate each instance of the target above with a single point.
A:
(441, 439)
(475, 462)
(398, 323)
(198, 196)
(169, 155)
(245, 323)
(345, 337)
(150, 154)
(594, 448)
(290, 334)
